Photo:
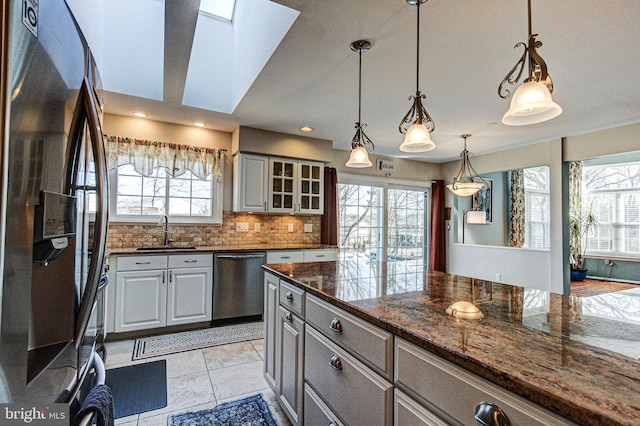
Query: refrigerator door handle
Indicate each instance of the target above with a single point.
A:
(87, 110)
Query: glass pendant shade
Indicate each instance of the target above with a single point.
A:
(531, 103)
(465, 310)
(417, 139)
(465, 189)
(359, 158)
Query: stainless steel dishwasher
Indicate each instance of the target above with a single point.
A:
(238, 291)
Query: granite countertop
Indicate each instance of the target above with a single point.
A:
(576, 356)
(221, 248)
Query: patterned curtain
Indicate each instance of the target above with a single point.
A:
(145, 156)
(517, 212)
(575, 200)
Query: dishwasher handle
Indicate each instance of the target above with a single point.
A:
(246, 256)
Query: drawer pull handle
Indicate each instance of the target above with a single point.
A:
(336, 325)
(320, 255)
(289, 296)
(489, 414)
(335, 362)
(143, 263)
(288, 316)
(191, 261)
(285, 257)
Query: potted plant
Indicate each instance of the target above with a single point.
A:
(581, 220)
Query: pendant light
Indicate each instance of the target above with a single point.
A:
(532, 102)
(359, 154)
(417, 125)
(467, 182)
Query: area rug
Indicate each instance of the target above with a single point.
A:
(138, 388)
(250, 411)
(189, 340)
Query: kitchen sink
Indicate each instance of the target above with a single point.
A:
(164, 248)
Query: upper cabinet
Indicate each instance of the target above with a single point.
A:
(277, 185)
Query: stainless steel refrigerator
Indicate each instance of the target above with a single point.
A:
(54, 205)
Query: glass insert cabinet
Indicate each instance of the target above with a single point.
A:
(278, 185)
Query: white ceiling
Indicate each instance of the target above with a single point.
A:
(591, 49)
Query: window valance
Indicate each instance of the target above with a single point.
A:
(145, 156)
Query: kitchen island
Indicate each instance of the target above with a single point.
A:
(577, 357)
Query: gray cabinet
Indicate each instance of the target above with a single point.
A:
(354, 392)
(290, 364)
(284, 345)
(271, 301)
(454, 393)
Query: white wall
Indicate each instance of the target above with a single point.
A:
(515, 266)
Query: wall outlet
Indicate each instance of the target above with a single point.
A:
(242, 227)
(608, 263)
(256, 227)
(308, 227)
(290, 227)
(498, 277)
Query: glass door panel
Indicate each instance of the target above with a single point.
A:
(406, 226)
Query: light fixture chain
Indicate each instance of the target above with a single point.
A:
(359, 84)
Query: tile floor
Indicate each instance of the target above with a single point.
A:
(201, 379)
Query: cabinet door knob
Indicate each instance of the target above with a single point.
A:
(335, 362)
(489, 414)
(336, 325)
(289, 296)
(288, 316)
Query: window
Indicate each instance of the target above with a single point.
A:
(222, 9)
(384, 223)
(537, 198)
(186, 198)
(612, 192)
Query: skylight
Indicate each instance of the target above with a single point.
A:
(222, 9)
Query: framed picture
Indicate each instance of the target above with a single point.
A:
(483, 199)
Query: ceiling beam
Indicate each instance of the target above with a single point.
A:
(180, 19)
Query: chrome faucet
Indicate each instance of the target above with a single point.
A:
(164, 220)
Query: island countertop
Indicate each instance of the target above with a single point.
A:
(576, 356)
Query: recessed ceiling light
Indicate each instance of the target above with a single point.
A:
(198, 124)
(306, 129)
(140, 114)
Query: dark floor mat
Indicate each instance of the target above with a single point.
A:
(138, 388)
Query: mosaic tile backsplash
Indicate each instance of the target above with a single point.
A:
(274, 229)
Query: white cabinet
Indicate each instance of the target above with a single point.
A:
(297, 256)
(189, 295)
(158, 291)
(141, 298)
(250, 187)
(277, 185)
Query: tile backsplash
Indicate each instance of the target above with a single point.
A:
(273, 229)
